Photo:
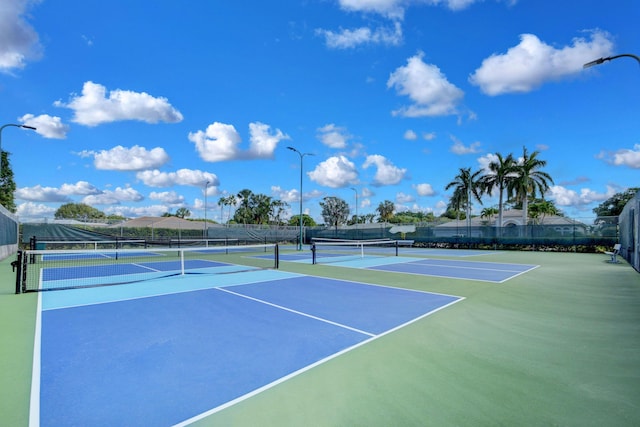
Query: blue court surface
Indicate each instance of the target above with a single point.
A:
(122, 355)
(471, 270)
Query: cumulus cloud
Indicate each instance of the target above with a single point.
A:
(120, 158)
(188, 177)
(136, 211)
(424, 189)
(333, 136)
(18, 40)
(402, 198)
(459, 148)
(629, 157)
(394, 9)
(220, 142)
(93, 107)
(34, 210)
(426, 86)
(47, 126)
(114, 197)
(563, 196)
(386, 173)
(52, 194)
(168, 197)
(532, 63)
(410, 135)
(335, 172)
(346, 39)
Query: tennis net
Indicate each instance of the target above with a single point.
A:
(337, 250)
(44, 270)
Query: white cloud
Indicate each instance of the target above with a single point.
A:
(402, 198)
(346, 39)
(168, 197)
(424, 189)
(263, 141)
(18, 40)
(459, 148)
(52, 194)
(333, 136)
(335, 172)
(429, 136)
(395, 9)
(80, 188)
(194, 178)
(33, 210)
(565, 197)
(623, 157)
(93, 107)
(387, 173)
(427, 87)
(113, 197)
(134, 212)
(410, 135)
(135, 158)
(532, 63)
(47, 126)
(220, 142)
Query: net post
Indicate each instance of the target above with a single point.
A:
(277, 256)
(396, 244)
(19, 271)
(182, 262)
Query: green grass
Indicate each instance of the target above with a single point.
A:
(559, 345)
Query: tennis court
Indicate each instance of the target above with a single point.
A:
(556, 345)
(110, 356)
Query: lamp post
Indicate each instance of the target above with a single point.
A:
(4, 126)
(356, 191)
(206, 184)
(609, 58)
(301, 170)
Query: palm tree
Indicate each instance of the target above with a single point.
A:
(385, 210)
(231, 201)
(466, 184)
(501, 173)
(244, 211)
(529, 180)
(222, 202)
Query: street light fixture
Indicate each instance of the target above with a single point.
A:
(609, 58)
(14, 125)
(301, 170)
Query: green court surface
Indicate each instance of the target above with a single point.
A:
(558, 345)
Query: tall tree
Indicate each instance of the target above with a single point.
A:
(335, 211)
(79, 211)
(465, 185)
(385, 210)
(183, 213)
(7, 184)
(243, 213)
(614, 205)
(529, 180)
(500, 174)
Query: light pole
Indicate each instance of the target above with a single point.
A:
(609, 58)
(206, 184)
(4, 126)
(301, 170)
(356, 191)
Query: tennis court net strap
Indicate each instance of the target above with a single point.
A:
(41, 270)
(327, 250)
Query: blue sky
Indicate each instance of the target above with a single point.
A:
(137, 104)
